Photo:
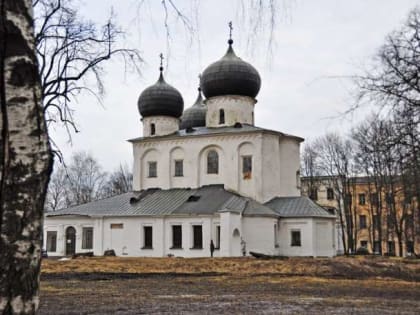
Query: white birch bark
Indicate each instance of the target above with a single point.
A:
(25, 161)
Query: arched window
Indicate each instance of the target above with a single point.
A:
(152, 129)
(221, 116)
(212, 162)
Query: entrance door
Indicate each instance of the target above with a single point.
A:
(70, 241)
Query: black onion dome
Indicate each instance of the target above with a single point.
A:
(195, 116)
(160, 99)
(230, 76)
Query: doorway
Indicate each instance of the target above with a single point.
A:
(70, 241)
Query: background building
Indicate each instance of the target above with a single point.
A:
(375, 216)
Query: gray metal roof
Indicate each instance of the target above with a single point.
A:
(177, 201)
(206, 200)
(160, 99)
(203, 131)
(297, 207)
(254, 208)
(195, 116)
(230, 76)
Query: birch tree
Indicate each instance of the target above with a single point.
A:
(25, 161)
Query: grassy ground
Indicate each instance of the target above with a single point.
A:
(235, 285)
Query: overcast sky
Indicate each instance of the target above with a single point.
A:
(317, 44)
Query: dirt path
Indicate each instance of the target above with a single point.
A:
(343, 285)
(128, 293)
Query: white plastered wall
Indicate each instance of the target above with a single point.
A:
(259, 235)
(129, 240)
(231, 234)
(289, 150)
(269, 164)
(60, 224)
(236, 109)
(317, 237)
(305, 226)
(164, 125)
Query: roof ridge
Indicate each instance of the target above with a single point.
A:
(93, 201)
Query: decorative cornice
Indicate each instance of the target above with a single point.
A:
(212, 135)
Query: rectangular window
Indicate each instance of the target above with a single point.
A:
(147, 237)
(218, 236)
(348, 200)
(390, 220)
(330, 194)
(376, 247)
(374, 199)
(313, 194)
(376, 222)
(87, 238)
(51, 241)
(176, 236)
(152, 169)
(409, 247)
(389, 198)
(179, 168)
(362, 199)
(349, 221)
(362, 222)
(247, 167)
(197, 237)
(364, 244)
(409, 223)
(296, 241)
(391, 248)
(408, 198)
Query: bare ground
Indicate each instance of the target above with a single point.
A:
(230, 286)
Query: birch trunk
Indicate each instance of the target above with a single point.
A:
(25, 161)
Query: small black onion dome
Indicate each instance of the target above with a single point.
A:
(160, 99)
(195, 116)
(230, 76)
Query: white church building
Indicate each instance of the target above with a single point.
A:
(206, 174)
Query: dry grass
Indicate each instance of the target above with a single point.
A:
(341, 267)
(113, 285)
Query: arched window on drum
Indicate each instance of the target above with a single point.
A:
(221, 116)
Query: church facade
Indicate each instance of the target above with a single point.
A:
(204, 180)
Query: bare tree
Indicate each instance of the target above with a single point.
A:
(310, 167)
(86, 179)
(72, 52)
(393, 81)
(118, 182)
(336, 161)
(392, 84)
(25, 161)
(57, 189)
(382, 159)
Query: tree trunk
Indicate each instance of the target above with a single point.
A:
(25, 161)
